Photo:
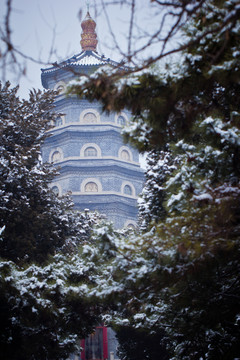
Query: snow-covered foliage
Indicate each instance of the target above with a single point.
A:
(45, 278)
(47, 308)
(160, 164)
(181, 275)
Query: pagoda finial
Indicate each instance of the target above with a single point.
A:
(89, 36)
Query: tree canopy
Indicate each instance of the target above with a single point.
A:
(181, 274)
(45, 280)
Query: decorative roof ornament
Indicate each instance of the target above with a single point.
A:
(89, 36)
(87, 3)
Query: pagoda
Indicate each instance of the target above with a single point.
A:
(102, 173)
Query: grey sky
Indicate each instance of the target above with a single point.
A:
(52, 27)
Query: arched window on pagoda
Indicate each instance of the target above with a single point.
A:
(59, 121)
(121, 120)
(90, 118)
(55, 190)
(130, 224)
(125, 155)
(127, 190)
(90, 151)
(60, 87)
(56, 156)
(91, 187)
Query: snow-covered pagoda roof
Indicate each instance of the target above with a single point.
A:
(86, 61)
(85, 58)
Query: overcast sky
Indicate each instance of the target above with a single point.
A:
(43, 27)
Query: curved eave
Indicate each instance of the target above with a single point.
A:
(77, 129)
(108, 196)
(70, 165)
(106, 202)
(78, 64)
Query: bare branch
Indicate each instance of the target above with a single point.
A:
(131, 30)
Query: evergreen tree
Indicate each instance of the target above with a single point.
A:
(45, 280)
(34, 220)
(182, 275)
(137, 344)
(160, 164)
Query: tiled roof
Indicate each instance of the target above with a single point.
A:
(89, 60)
(85, 58)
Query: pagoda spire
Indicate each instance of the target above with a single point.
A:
(88, 37)
(87, 3)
